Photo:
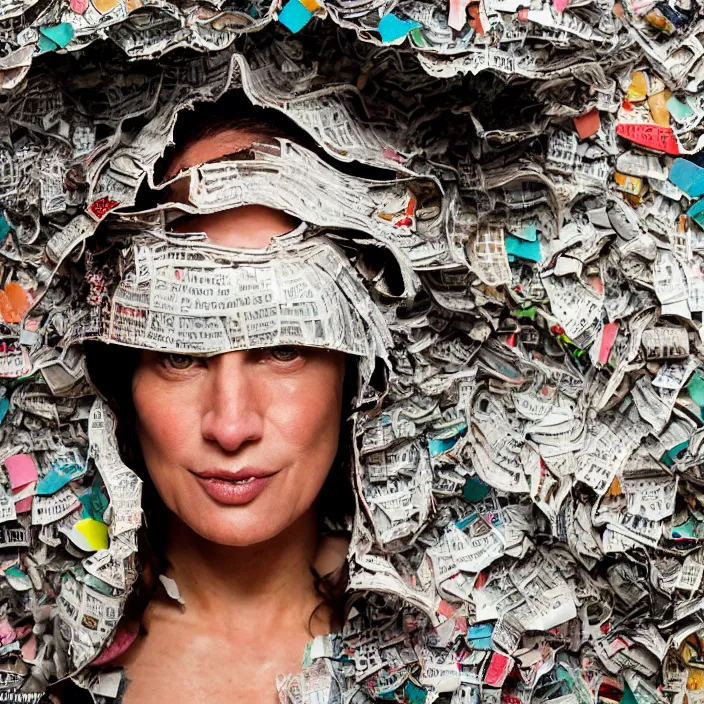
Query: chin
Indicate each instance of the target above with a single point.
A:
(234, 533)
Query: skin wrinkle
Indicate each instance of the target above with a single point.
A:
(244, 571)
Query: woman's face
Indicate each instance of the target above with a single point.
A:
(238, 445)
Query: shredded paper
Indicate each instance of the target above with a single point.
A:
(504, 214)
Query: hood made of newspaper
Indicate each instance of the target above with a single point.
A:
(530, 512)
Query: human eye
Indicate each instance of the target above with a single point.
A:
(285, 353)
(178, 362)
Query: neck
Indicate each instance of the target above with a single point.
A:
(268, 580)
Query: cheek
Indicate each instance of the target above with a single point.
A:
(162, 420)
(307, 417)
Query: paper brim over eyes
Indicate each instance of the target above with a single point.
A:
(204, 300)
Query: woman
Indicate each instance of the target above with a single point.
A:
(242, 457)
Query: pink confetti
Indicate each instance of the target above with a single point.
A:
(7, 632)
(24, 505)
(608, 337)
(21, 469)
(122, 641)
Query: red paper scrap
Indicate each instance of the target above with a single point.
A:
(101, 207)
(445, 609)
(651, 136)
(498, 669)
(24, 505)
(588, 124)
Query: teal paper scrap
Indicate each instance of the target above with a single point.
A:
(696, 212)
(58, 477)
(55, 36)
(475, 489)
(414, 694)
(295, 16)
(679, 110)
(479, 636)
(523, 249)
(688, 177)
(4, 227)
(392, 28)
(696, 389)
(529, 233)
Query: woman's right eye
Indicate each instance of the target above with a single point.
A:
(178, 362)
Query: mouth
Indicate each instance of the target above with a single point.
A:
(246, 474)
(234, 488)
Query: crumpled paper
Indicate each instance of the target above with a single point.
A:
(529, 493)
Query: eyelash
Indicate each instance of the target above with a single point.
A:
(167, 360)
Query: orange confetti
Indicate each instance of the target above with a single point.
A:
(615, 488)
(474, 21)
(14, 302)
(658, 109)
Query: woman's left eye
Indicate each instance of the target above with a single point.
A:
(285, 354)
(178, 361)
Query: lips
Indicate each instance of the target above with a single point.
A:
(243, 474)
(234, 488)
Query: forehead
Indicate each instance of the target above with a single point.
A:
(251, 226)
(213, 146)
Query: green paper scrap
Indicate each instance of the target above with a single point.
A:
(696, 212)
(628, 696)
(679, 110)
(475, 489)
(696, 389)
(98, 501)
(529, 312)
(670, 456)
(392, 28)
(414, 694)
(55, 36)
(685, 531)
(4, 228)
(307, 659)
(522, 248)
(295, 16)
(419, 39)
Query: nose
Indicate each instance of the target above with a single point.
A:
(231, 413)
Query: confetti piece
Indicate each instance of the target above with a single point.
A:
(55, 37)
(652, 136)
(295, 16)
(21, 470)
(391, 28)
(94, 532)
(688, 177)
(588, 124)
